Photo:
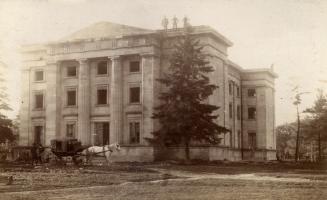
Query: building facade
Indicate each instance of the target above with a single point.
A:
(99, 86)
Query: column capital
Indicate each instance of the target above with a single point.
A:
(82, 61)
(53, 62)
(115, 57)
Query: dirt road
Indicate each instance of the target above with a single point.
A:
(176, 182)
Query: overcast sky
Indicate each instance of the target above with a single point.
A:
(290, 34)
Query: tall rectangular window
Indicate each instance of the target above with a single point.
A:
(102, 133)
(38, 134)
(71, 98)
(230, 88)
(39, 101)
(230, 110)
(134, 132)
(134, 94)
(134, 66)
(102, 68)
(237, 91)
(238, 112)
(39, 75)
(70, 130)
(252, 113)
(251, 92)
(71, 71)
(252, 138)
(102, 96)
(239, 139)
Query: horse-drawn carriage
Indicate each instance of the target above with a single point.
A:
(67, 148)
(74, 149)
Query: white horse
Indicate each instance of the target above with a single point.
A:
(105, 151)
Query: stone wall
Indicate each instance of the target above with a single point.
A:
(133, 154)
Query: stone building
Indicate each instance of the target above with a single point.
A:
(99, 86)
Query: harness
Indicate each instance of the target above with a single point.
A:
(104, 151)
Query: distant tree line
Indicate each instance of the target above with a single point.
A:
(313, 133)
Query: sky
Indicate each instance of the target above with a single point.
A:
(288, 34)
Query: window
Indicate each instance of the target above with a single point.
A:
(102, 68)
(134, 94)
(38, 134)
(101, 133)
(134, 66)
(231, 137)
(70, 130)
(71, 71)
(230, 88)
(252, 113)
(102, 96)
(251, 93)
(230, 110)
(39, 101)
(239, 139)
(71, 98)
(134, 132)
(252, 137)
(39, 76)
(238, 112)
(237, 91)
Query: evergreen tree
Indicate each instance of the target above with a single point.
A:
(184, 115)
(5, 123)
(317, 128)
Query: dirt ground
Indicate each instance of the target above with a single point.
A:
(165, 181)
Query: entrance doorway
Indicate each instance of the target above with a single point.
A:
(102, 132)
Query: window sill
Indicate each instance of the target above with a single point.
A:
(102, 75)
(70, 77)
(135, 103)
(72, 106)
(101, 105)
(41, 81)
(138, 72)
(38, 109)
(252, 119)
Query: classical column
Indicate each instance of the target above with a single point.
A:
(52, 95)
(150, 93)
(84, 102)
(116, 100)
